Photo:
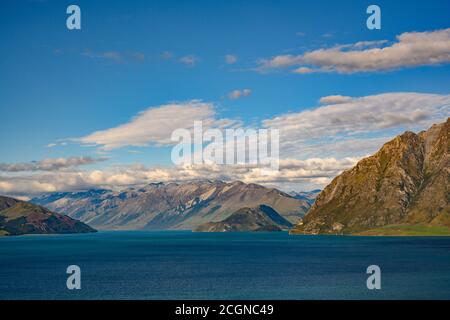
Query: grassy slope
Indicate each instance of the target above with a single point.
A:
(407, 230)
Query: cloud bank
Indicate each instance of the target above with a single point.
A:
(189, 60)
(237, 94)
(310, 173)
(50, 164)
(231, 58)
(357, 120)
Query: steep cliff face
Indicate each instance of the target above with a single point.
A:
(405, 183)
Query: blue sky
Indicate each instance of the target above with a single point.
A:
(58, 84)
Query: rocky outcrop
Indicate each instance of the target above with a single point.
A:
(405, 183)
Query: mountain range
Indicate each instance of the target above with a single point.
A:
(179, 206)
(20, 217)
(403, 189)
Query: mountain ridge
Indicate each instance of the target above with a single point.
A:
(19, 217)
(174, 206)
(405, 183)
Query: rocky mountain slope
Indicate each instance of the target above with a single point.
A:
(308, 196)
(19, 217)
(171, 205)
(260, 218)
(402, 189)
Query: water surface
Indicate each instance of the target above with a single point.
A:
(186, 265)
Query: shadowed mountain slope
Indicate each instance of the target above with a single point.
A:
(20, 217)
(260, 218)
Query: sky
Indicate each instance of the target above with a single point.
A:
(95, 107)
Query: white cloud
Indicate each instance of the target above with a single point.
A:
(334, 99)
(320, 143)
(296, 171)
(50, 164)
(166, 55)
(321, 181)
(304, 70)
(316, 144)
(300, 172)
(7, 187)
(60, 143)
(366, 114)
(189, 60)
(110, 55)
(24, 186)
(280, 61)
(139, 56)
(369, 118)
(328, 35)
(155, 125)
(231, 58)
(236, 94)
(336, 147)
(411, 49)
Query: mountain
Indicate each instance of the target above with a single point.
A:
(402, 189)
(260, 218)
(308, 196)
(171, 205)
(20, 217)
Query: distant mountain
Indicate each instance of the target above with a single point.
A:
(19, 217)
(308, 196)
(171, 205)
(403, 189)
(260, 218)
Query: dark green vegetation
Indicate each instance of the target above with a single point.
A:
(19, 217)
(260, 218)
(404, 189)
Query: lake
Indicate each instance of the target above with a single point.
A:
(187, 265)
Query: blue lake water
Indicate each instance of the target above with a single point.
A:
(186, 265)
